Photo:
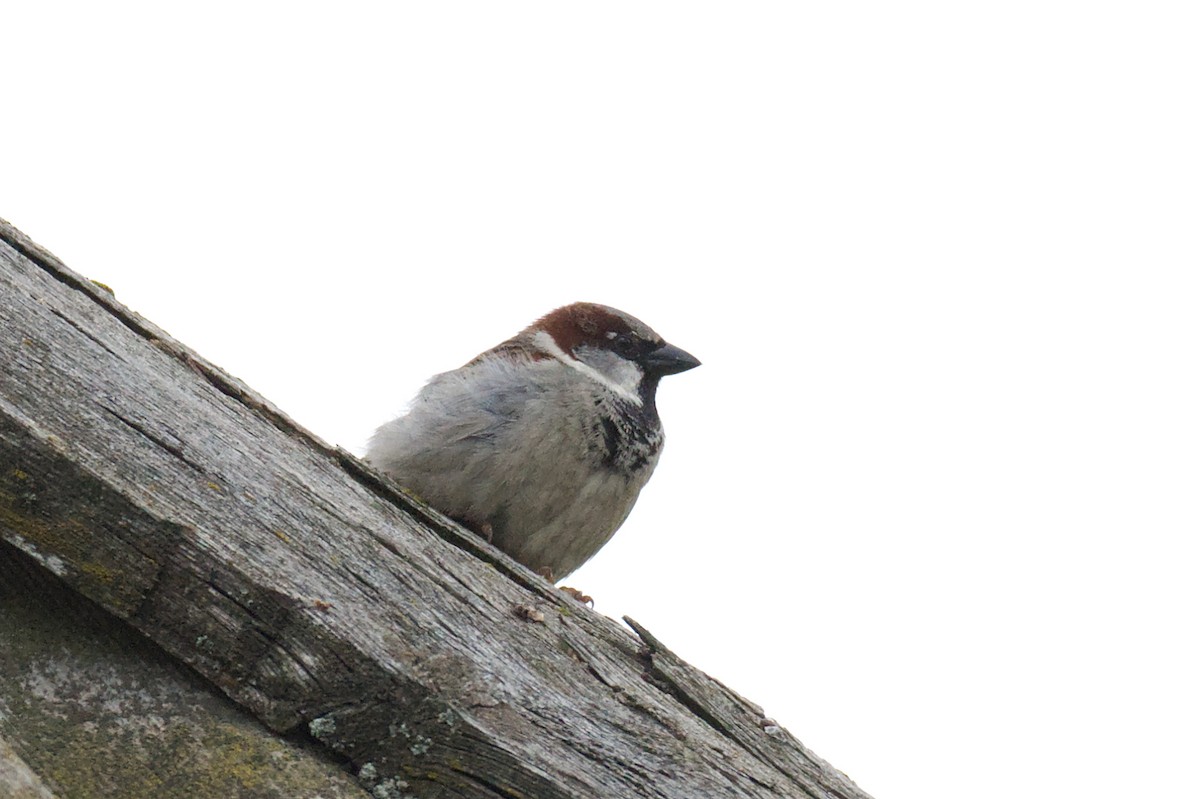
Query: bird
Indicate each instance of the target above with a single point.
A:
(542, 443)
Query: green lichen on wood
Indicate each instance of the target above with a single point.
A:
(96, 710)
(63, 540)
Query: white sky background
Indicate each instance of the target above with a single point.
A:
(932, 498)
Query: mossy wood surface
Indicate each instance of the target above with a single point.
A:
(98, 710)
(320, 599)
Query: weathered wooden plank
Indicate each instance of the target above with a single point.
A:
(95, 709)
(17, 779)
(320, 598)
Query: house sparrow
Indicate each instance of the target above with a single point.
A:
(542, 443)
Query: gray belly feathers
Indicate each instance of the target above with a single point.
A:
(553, 465)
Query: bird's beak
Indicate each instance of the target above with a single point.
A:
(668, 360)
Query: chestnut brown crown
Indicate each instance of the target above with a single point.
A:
(589, 324)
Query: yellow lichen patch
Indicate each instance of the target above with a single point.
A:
(282, 536)
(247, 759)
(71, 546)
(214, 487)
(104, 286)
(18, 474)
(101, 573)
(26, 525)
(228, 759)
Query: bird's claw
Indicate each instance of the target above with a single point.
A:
(577, 595)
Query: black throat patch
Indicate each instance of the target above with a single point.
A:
(630, 436)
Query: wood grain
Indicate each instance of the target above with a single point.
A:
(321, 598)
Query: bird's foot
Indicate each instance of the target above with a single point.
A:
(481, 529)
(574, 593)
(577, 595)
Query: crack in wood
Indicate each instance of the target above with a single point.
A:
(83, 331)
(268, 601)
(175, 450)
(662, 667)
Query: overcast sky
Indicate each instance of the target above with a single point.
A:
(932, 499)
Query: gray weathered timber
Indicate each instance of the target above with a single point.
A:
(321, 599)
(17, 779)
(98, 710)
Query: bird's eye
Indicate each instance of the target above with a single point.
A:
(625, 346)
